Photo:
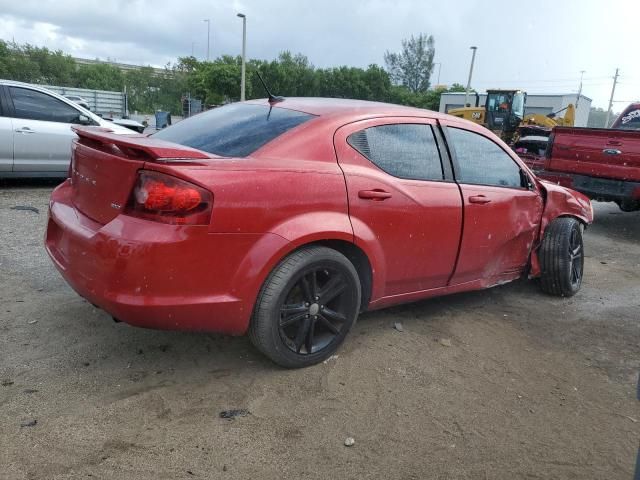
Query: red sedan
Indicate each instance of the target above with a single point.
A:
(287, 219)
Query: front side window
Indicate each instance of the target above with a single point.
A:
(518, 104)
(235, 130)
(403, 150)
(500, 102)
(482, 162)
(33, 105)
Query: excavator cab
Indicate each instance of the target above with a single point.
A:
(504, 111)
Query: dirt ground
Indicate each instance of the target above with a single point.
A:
(502, 384)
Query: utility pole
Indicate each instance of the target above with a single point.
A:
(473, 58)
(244, 54)
(193, 46)
(579, 89)
(613, 90)
(439, 67)
(208, 34)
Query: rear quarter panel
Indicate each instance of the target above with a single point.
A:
(296, 201)
(290, 198)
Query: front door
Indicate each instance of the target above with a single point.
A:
(42, 131)
(401, 202)
(501, 210)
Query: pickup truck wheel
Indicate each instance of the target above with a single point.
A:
(629, 205)
(306, 307)
(562, 257)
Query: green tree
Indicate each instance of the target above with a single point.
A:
(412, 67)
(16, 65)
(429, 99)
(55, 67)
(597, 117)
(218, 81)
(101, 76)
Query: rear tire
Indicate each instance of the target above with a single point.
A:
(562, 257)
(629, 205)
(306, 307)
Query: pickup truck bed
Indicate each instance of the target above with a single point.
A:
(604, 164)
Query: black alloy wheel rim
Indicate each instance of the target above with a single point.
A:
(316, 310)
(576, 257)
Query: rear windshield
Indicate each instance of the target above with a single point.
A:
(235, 130)
(630, 120)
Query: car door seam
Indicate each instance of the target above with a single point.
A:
(346, 188)
(453, 162)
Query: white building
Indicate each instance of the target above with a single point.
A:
(536, 103)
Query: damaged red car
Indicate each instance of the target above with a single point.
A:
(285, 219)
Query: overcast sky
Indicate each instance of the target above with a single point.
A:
(539, 46)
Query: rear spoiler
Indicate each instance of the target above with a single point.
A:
(136, 146)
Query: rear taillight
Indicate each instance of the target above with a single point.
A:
(163, 198)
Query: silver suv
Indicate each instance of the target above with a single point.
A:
(35, 130)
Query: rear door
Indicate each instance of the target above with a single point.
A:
(42, 131)
(6, 135)
(401, 200)
(501, 211)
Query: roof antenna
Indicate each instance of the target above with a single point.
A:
(272, 98)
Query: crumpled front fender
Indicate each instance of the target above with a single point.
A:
(559, 202)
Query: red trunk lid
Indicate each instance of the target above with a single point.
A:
(104, 168)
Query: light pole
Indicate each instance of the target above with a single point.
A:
(244, 53)
(473, 58)
(439, 67)
(208, 32)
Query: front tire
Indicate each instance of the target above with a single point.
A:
(562, 257)
(306, 307)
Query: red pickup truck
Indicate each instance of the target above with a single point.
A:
(604, 164)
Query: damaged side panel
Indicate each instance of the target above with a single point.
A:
(498, 235)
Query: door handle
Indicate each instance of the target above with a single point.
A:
(481, 199)
(24, 130)
(376, 194)
(614, 142)
(611, 151)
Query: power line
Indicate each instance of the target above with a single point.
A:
(556, 80)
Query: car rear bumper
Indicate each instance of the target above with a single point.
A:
(155, 275)
(595, 188)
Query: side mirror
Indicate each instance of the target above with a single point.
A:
(84, 120)
(527, 182)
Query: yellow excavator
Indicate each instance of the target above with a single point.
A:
(503, 113)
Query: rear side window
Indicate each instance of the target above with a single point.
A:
(33, 105)
(403, 150)
(630, 120)
(482, 162)
(235, 130)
